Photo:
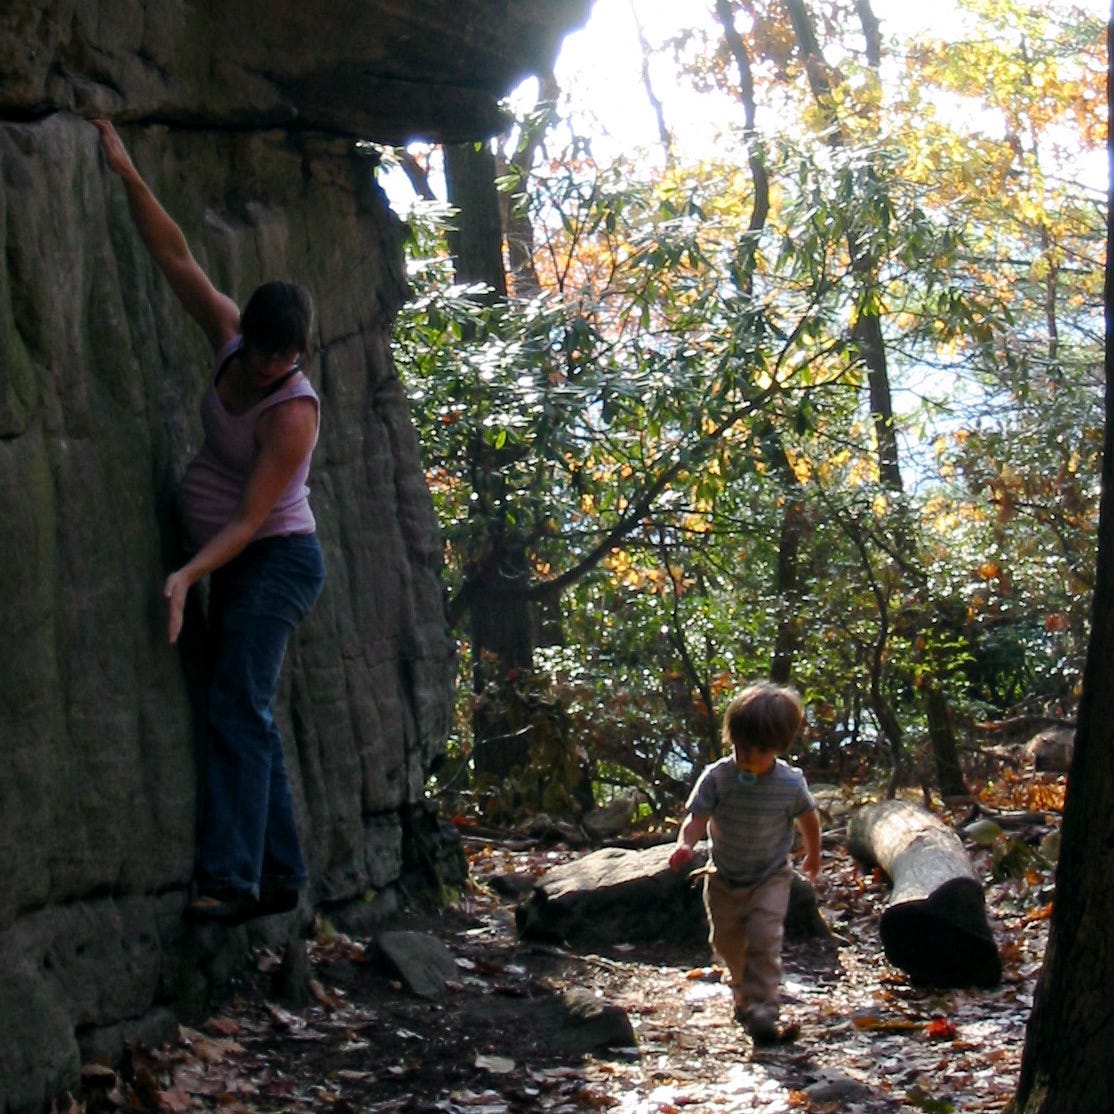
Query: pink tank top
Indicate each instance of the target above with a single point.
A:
(215, 479)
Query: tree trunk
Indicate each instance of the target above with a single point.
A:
(866, 330)
(794, 524)
(518, 227)
(500, 615)
(867, 335)
(945, 752)
(501, 629)
(934, 927)
(794, 531)
(476, 243)
(1069, 1045)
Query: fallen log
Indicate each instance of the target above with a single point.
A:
(618, 895)
(935, 926)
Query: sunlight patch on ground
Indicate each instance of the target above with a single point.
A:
(745, 1087)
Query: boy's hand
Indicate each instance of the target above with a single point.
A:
(810, 868)
(682, 855)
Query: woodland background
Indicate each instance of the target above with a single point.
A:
(820, 400)
(824, 404)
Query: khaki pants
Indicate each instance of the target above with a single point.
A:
(746, 929)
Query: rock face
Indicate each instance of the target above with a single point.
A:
(243, 119)
(388, 70)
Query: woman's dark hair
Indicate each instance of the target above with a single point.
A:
(278, 318)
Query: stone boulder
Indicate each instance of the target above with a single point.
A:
(1050, 751)
(242, 118)
(421, 961)
(592, 1024)
(387, 70)
(620, 895)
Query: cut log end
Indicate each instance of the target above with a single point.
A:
(943, 940)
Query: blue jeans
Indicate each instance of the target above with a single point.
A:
(248, 836)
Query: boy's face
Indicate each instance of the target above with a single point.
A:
(755, 761)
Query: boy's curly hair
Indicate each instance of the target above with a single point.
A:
(765, 716)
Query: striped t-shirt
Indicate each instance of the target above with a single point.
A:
(750, 827)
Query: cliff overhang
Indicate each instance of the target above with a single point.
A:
(385, 70)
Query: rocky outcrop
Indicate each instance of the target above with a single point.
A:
(388, 70)
(621, 894)
(243, 119)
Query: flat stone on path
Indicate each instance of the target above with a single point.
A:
(423, 963)
(593, 1023)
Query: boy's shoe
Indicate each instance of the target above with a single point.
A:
(764, 1030)
(768, 1033)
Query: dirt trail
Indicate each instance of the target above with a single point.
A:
(869, 1042)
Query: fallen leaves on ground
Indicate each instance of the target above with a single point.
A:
(870, 1041)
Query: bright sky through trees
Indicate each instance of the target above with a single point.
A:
(820, 398)
(605, 97)
(599, 71)
(600, 67)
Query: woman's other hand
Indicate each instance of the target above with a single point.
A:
(175, 591)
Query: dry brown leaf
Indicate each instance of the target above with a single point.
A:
(872, 1023)
(173, 1101)
(594, 1098)
(284, 1019)
(330, 1001)
(226, 1026)
(213, 1050)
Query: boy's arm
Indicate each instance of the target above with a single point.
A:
(809, 825)
(693, 830)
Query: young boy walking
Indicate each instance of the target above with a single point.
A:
(748, 804)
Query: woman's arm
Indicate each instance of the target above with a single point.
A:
(215, 312)
(286, 434)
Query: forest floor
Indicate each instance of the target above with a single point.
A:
(869, 1042)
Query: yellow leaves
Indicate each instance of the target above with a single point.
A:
(1030, 209)
(845, 466)
(989, 570)
(696, 524)
(618, 561)
(654, 579)
(802, 467)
